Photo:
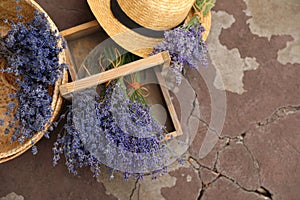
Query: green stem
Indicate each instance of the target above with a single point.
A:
(136, 96)
(123, 86)
(192, 21)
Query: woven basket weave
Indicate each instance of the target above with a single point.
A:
(10, 150)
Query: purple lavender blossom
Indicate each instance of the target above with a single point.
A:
(31, 50)
(34, 150)
(113, 131)
(186, 47)
(71, 146)
(130, 122)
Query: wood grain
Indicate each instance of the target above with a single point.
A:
(169, 104)
(80, 30)
(66, 90)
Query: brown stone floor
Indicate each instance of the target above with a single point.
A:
(255, 49)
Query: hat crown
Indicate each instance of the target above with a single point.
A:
(157, 14)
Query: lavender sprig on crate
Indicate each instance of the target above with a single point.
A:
(130, 121)
(186, 47)
(31, 52)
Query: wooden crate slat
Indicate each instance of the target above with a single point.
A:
(66, 90)
(80, 30)
(169, 104)
(70, 64)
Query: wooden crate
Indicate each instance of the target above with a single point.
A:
(83, 38)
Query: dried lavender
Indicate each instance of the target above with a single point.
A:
(31, 52)
(186, 47)
(130, 121)
(70, 145)
(114, 131)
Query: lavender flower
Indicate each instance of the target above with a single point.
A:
(71, 146)
(31, 51)
(11, 106)
(18, 8)
(34, 150)
(186, 47)
(114, 131)
(130, 122)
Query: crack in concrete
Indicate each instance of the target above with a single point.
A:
(197, 168)
(201, 194)
(202, 184)
(206, 186)
(262, 191)
(192, 162)
(207, 125)
(240, 140)
(279, 114)
(134, 189)
(217, 159)
(228, 140)
(194, 106)
(255, 162)
(193, 109)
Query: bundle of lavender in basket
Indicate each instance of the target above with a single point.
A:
(30, 55)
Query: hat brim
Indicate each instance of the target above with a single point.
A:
(128, 39)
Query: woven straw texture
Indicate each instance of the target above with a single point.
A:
(167, 13)
(9, 150)
(129, 39)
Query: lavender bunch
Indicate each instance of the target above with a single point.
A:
(130, 121)
(70, 145)
(134, 137)
(31, 52)
(186, 47)
(114, 131)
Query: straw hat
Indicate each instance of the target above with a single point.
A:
(8, 85)
(138, 25)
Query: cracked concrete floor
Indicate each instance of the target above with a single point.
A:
(254, 50)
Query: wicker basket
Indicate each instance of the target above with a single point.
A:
(10, 150)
